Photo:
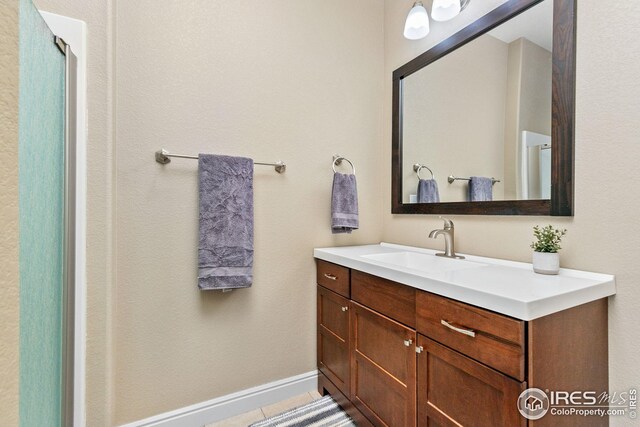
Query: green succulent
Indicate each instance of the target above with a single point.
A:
(547, 239)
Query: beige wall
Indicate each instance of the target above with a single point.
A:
(9, 273)
(100, 269)
(511, 128)
(297, 81)
(604, 235)
(303, 84)
(441, 97)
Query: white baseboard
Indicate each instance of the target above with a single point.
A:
(233, 404)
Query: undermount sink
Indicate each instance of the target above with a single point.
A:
(423, 262)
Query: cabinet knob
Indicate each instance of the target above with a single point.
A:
(419, 349)
(408, 343)
(330, 276)
(345, 308)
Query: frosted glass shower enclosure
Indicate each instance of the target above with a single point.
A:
(47, 217)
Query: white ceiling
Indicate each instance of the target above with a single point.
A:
(536, 25)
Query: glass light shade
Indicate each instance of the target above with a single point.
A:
(443, 10)
(417, 24)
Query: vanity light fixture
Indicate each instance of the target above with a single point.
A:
(417, 24)
(444, 10)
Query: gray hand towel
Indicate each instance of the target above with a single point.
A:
(428, 191)
(225, 250)
(344, 204)
(480, 189)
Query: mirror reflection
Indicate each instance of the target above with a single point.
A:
(455, 151)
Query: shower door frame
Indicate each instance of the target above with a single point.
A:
(69, 293)
(70, 37)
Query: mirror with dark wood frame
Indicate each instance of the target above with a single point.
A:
(428, 97)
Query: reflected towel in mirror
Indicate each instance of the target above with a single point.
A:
(428, 191)
(480, 189)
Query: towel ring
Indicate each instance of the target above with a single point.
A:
(418, 167)
(337, 159)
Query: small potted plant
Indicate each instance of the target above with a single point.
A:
(546, 259)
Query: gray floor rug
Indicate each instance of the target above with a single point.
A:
(324, 412)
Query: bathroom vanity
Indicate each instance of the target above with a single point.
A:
(406, 338)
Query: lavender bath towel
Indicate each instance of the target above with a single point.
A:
(428, 191)
(480, 189)
(225, 250)
(344, 204)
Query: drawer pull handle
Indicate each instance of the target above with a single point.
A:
(469, 332)
(408, 343)
(330, 276)
(345, 308)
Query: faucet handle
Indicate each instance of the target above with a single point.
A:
(448, 224)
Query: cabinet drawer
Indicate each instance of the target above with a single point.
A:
(334, 277)
(491, 338)
(389, 298)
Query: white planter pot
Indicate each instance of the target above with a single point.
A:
(546, 262)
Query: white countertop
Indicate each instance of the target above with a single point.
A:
(507, 287)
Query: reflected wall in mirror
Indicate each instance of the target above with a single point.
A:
(495, 101)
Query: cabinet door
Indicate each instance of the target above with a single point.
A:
(454, 390)
(333, 338)
(383, 363)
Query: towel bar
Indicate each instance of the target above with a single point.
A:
(163, 157)
(452, 178)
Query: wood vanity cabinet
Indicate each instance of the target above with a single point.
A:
(395, 356)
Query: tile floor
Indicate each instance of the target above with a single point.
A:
(243, 420)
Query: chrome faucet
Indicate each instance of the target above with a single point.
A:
(447, 232)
